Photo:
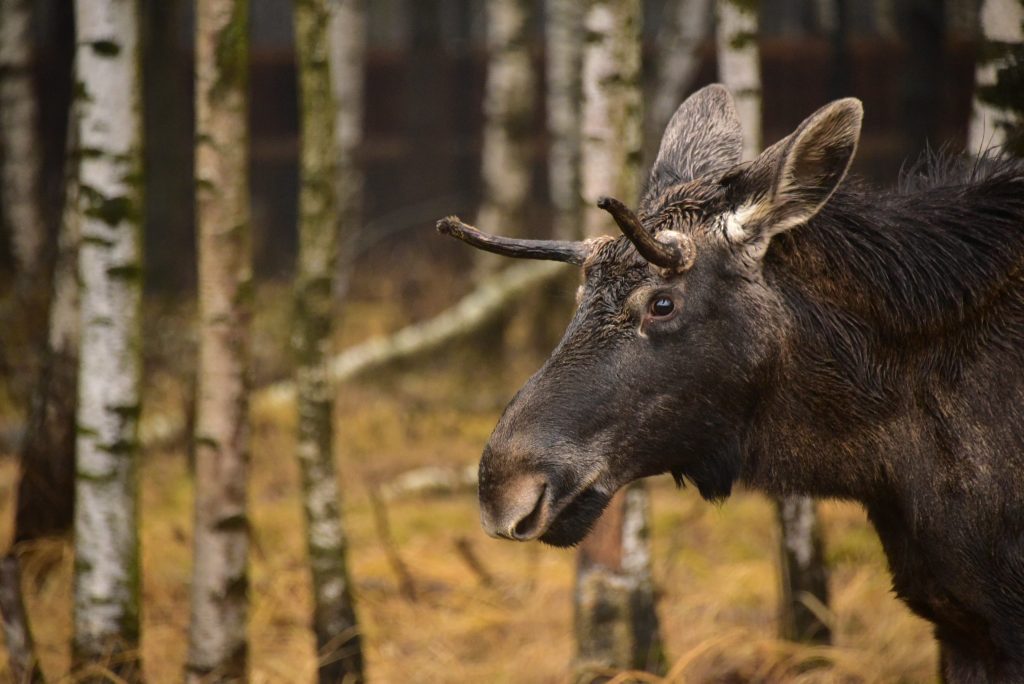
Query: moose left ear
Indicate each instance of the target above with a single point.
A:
(793, 179)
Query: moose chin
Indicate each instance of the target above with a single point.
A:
(776, 323)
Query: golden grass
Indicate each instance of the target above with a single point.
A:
(714, 565)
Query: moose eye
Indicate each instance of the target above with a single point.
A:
(662, 306)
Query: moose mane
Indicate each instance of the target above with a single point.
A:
(920, 262)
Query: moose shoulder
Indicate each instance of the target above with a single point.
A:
(769, 323)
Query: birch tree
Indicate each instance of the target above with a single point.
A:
(564, 53)
(1002, 22)
(686, 26)
(347, 55)
(508, 113)
(20, 157)
(106, 581)
(337, 635)
(804, 577)
(739, 65)
(616, 622)
(217, 642)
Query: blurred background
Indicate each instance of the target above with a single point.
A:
(910, 61)
(436, 599)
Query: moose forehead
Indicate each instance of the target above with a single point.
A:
(695, 208)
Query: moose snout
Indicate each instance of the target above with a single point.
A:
(514, 506)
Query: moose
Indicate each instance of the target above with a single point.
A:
(774, 323)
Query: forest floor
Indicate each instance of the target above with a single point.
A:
(714, 565)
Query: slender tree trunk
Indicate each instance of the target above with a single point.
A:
(106, 583)
(616, 621)
(47, 485)
(508, 113)
(739, 66)
(21, 211)
(347, 54)
(611, 108)
(337, 633)
(1001, 22)
(21, 655)
(217, 642)
(20, 147)
(804, 576)
(615, 613)
(686, 27)
(564, 52)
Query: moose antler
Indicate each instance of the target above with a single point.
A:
(670, 249)
(550, 250)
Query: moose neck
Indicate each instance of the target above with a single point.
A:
(885, 295)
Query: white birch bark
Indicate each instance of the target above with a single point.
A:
(615, 620)
(1000, 22)
(337, 633)
(564, 53)
(739, 66)
(508, 111)
(106, 583)
(612, 116)
(804, 577)
(687, 25)
(19, 141)
(217, 641)
(347, 54)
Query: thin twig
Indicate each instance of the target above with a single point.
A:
(465, 548)
(406, 585)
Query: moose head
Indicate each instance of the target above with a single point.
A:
(678, 332)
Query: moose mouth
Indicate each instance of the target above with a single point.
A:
(572, 523)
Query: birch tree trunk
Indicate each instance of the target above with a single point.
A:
(217, 642)
(347, 55)
(1001, 23)
(20, 147)
(337, 634)
(47, 455)
(804, 577)
(687, 25)
(616, 622)
(739, 66)
(564, 53)
(106, 583)
(508, 112)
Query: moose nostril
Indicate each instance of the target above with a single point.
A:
(529, 526)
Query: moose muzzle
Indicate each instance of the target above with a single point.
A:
(513, 506)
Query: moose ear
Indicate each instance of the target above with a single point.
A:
(791, 180)
(703, 138)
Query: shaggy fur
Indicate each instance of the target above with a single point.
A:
(829, 340)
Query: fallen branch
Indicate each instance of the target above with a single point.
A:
(468, 315)
(431, 480)
(480, 306)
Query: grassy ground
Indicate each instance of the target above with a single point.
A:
(714, 565)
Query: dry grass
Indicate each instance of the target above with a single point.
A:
(715, 565)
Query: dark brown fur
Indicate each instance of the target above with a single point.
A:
(844, 343)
